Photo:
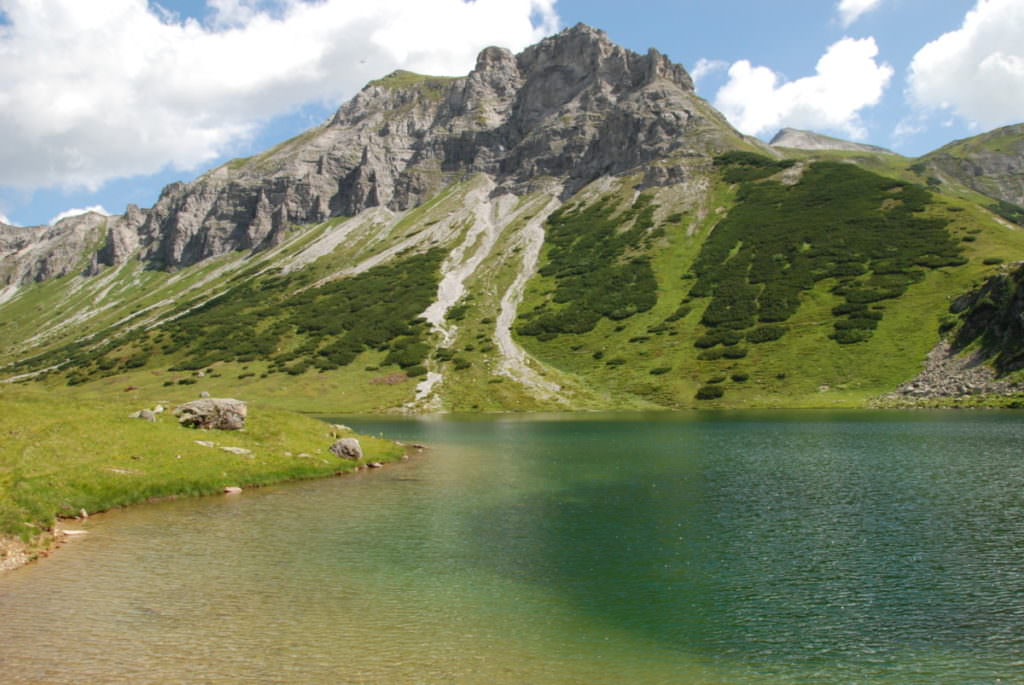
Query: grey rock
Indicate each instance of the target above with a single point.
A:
(809, 140)
(573, 107)
(38, 253)
(147, 415)
(947, 374)
(213, 413)
(204, 394)
(347, 448)
(991, 163)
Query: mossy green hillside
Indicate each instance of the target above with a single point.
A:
(401, 79)
(63, 456)
(630, 279)
(838, 235)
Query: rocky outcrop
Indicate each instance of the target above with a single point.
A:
(991, 163)
(992, 320)
(947, 374)
(986, 343)
(809, 140)
(39, 253)
(573, 107)
(347, 448)
(213, 413)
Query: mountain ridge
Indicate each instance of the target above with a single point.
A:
(401, 138)
(572, 225)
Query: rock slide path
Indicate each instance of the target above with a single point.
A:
(515, 360)
(491, 216)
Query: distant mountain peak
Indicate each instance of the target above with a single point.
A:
(809, 140)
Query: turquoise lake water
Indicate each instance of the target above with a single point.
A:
(668, 548)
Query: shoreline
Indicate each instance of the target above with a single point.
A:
(16, 553)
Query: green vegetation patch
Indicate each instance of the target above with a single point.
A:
(1009, 211)
(60, 457)
(839, 222)
(273, 317)
(739, 166)
(595, 257)
(432, 87)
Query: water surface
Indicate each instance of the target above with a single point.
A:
(700, 547)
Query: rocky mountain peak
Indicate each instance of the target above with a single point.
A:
(583, 52)
(567, 110)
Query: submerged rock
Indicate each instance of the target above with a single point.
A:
(215, 413)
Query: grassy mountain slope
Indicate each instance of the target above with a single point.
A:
(755, 282)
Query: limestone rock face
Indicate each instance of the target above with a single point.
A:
(572, 108)
(213, 413)
(39, 253)
(991, 163)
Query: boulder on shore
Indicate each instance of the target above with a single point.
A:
(347, 448)
(214, 413)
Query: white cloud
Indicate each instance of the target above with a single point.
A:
(847, 81)
(67, 213)
(5, 220)
(907, 127)
(852, 10)
(977, 71)
(91, 91)
(705, 67)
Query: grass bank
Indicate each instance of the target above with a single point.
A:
(60, 454)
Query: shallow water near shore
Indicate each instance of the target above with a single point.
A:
(699, 547)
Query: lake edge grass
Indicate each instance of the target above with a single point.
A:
(61, 457)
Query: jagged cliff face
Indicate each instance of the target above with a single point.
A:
(38, 253)
(560, 114)
(991, 163)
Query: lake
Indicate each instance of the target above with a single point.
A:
(759, 547)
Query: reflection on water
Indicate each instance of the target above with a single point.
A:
(754, 547)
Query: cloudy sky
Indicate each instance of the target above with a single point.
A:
(103, 102)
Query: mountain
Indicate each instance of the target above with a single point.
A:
(991, 163)
(809, 140)
(571, 227)
(571, 108)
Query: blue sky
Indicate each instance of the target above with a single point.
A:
(139, 93)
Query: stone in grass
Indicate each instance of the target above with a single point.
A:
(232, 490)
(144, 414)
(347, 448)
(216, 413)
